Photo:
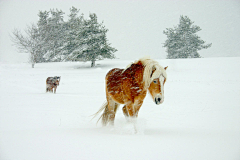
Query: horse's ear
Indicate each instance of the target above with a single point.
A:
(165, 68)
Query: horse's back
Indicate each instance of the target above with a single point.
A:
(114, 72)
(113, 77)
(114, 84)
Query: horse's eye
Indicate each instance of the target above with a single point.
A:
(154, 81)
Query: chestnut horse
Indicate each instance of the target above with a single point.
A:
(129, 87)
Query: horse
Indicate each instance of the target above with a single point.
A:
(52, 83)
(129, 87)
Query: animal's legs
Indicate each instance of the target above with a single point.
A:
(116, 107)
(137, 106)
(47, 88)
(131, 113)
(125, 112)
(112, 109)
(55, 89)
(132, 109)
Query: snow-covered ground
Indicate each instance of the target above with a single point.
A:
(200, 118)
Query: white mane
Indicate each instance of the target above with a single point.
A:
(149, 66)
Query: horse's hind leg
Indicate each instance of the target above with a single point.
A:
(112, 109)
(125, 112)
(111, 113)
(116, 107)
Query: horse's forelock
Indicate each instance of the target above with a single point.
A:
(150, 66)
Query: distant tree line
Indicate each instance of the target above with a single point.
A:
(54, 40)
(78, 39)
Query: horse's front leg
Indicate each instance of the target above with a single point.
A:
(131, 113)
(132, 109)
(137, 106)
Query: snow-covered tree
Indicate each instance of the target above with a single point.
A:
(93, 42)
(43, 30)
(74, 27)
(182, 41)
(54, 40)
(55, 36)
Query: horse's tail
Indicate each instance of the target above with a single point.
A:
(104, 115)
(107, 115)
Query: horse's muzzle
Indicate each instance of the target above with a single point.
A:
(158, 100)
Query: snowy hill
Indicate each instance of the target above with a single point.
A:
(198, 120)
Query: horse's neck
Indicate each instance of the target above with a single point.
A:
(137, 71)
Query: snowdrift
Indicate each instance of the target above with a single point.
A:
(199, 119)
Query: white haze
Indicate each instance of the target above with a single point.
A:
(135, 27)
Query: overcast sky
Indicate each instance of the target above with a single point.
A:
(135, 26)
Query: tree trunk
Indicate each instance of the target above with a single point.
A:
(33, 59)
(93, 63)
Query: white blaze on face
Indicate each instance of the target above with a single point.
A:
(161, 79)
(161, 94)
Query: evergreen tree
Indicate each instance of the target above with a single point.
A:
(55, 36)
(95, 45)
(53, 40)
(73, 39)
(182, 41)
(43, 30)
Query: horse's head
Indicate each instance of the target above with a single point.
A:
(156, 87)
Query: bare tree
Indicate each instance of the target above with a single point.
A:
(28, 43)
